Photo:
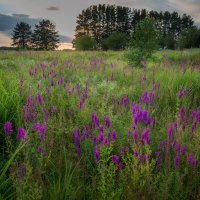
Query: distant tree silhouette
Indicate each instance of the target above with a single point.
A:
(45, 37)
(21, 37)
(100, 21)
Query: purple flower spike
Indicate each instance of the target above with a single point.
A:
(96, 154)
(135, 136)
(101, 128)
(115, 159)
(158, 162)
(78, 151)
(136, 153)
(107, 121)
(177, 161)
(106, 141)
(120, 166)
(184, 149)
(146, 137)
(191, 161)
(100, 137)
(39, 99)
(40, 149)
(21, 134)
(41, 129)
(114, 135)
(180, 94)
(169, 133)
(8, 128)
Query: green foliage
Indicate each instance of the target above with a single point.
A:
(144, 43)
(7, 190)
(62, 181)
(170, 42)
(190, 38)
(116, 41)
(21, 36)
(85, 43)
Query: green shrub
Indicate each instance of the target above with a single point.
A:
(85, 43)
(116, 41)
(144, 43)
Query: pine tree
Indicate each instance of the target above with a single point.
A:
(21, 36)
(45, 37)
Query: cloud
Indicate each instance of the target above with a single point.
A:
(191, 7)
(53, 8)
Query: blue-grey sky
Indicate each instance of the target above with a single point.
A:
(64, 12)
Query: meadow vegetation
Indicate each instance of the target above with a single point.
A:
(87, 125)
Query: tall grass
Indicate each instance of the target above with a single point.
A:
(62, 91)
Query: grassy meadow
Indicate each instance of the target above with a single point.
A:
(87, 125)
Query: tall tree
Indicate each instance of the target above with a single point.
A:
(45, 37)
(21, 36)
(100, 21)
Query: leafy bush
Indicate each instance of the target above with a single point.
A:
(116, 41)
(85, 43)
(190, 38)
(144, 43)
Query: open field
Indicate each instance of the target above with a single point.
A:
(93, 127)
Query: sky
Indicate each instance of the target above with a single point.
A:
(64, 12)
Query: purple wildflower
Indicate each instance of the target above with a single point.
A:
(80, 104)
(135, 152)
(101, 128)
(96, 154)
(107, 121)
(106, 141)
(182, 113)
(115, 159)
(175, 126)
(39, 99)
(8, 128)
(158, 162)
(177, 161)
(191, 161)
(145, 137)
(180, 94)
(40, 149)
(135, 136)
(184, 149)
(78, 151)
(120, 166)
(100, 137)
(169, 133)
(21, 134)
(114, 135)
(41, 129)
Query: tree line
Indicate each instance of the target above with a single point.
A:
(98, 23)
(43, 37)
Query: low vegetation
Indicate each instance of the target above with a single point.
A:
(86, 125)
